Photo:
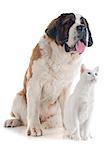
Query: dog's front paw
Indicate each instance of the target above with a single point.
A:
(34, 131)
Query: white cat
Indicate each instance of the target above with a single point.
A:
(78, 108)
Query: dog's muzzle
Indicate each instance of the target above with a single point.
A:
(82, 33)
(81, 42)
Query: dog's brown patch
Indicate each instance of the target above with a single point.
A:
(12, 114)
(22, 93)
(36, 54)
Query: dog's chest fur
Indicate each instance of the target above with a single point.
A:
(55, 70)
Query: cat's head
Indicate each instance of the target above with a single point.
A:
(89, 75)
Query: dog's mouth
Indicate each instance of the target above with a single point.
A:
(78, 47)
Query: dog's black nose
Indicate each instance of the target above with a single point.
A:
(80, 28)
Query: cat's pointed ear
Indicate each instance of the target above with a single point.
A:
(83, 68)
(97, 69)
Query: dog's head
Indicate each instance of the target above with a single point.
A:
(71, 31)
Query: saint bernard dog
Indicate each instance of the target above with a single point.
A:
(54, 63)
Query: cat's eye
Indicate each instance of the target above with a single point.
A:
(96, 74)
(89, 73)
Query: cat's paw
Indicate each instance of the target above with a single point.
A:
(86, 137)
(74, 137)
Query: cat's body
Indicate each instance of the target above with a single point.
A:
(78, 108)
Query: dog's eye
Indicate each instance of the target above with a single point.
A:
(89, 73)
(96, 74)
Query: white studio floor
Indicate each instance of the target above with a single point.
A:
(15, 138)
(47, 133)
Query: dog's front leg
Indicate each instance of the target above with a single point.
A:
(33, 108)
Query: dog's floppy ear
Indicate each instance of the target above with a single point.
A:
(52, 29)
(55, 28)
(58, 29)
(90, 40)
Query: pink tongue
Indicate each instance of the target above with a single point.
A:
(80, 47)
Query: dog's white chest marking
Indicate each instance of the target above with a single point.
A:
(55, 73)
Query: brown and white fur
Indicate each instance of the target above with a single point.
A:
(49, 76)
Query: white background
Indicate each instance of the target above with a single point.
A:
(22, 23)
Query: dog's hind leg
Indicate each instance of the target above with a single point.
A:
(19, 112)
